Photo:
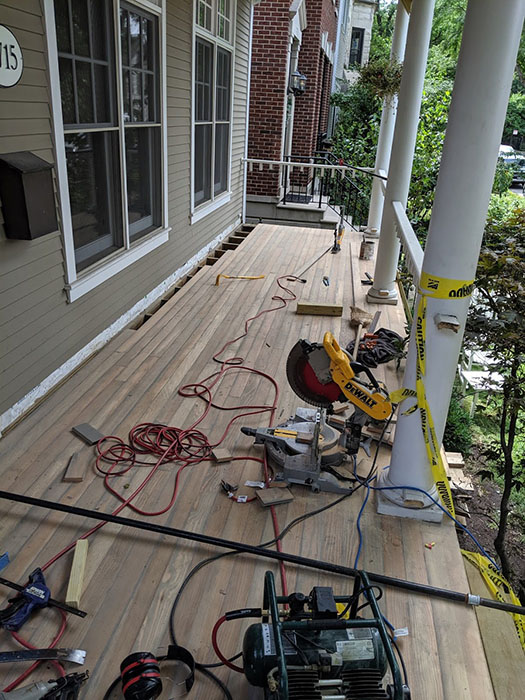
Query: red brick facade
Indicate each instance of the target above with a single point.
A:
(269, 81)
(269, 84)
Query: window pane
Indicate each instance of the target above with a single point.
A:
(94, 193)
(204, 14)
(202, 188)
(222, 110)
(80, 27)
(203, 82)
(126, 93)
(124, 31)
(66, 90)
(99, 27)
(136, 96)
(222, 151)
(62, 25)
(84, 93)
(149, 98)
(147, 44)
(134, 34)
(101, 94)
(143, 179)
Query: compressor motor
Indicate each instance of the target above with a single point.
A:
(320, 648)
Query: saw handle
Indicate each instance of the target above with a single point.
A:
(357, 368)
(333, 349)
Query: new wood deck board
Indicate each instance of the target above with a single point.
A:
(132, 577)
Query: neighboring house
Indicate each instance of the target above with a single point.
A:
(140, 106)
(289, 37)
(358, 49)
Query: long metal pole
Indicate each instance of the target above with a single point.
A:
(424, 589)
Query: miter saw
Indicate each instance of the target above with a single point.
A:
(306, 448)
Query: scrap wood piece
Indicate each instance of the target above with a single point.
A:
(220, 454)
(455, 460)
(75, 470)
(274, 497)
(76, 577)
(460, 481)
(319, 309)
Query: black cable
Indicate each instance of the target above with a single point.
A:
(400, 656)
(216, 680)
(204, 562)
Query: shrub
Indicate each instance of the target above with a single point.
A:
(458, 435)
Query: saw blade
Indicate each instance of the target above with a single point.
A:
(304, 382)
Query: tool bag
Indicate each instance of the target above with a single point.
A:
(377, 348)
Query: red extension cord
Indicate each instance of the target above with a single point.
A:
(170, 444)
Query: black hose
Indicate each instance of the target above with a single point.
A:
(422, 588)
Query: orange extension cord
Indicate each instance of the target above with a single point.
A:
(170, 444)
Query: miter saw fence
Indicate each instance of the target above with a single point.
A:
(306, 448)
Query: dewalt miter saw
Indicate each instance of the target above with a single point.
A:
(306, 448)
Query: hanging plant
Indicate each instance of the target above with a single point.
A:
(381, 77)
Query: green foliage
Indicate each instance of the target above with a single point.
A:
(458, 435)
(515, 118)
(502, 178)
(427, 156)
(382, 29)
(496, 325)
(355, 139)
(503, 209)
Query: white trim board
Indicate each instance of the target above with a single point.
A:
(50, 382)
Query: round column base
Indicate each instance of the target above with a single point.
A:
(405, 503)
(382, 296)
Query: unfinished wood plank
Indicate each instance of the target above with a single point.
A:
(221, 455)
(455, 460)
(76, 578)
(319, 309)
(274, 497)
(502, 648)
(75, 470)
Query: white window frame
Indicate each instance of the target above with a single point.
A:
(198, 212)
(80, 283)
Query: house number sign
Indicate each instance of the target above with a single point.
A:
(11, 60)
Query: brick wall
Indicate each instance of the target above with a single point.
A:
(269, 83)
(311, 109)
(268, 91)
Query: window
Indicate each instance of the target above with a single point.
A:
(356, 46)
(110, 95)
(212, 100)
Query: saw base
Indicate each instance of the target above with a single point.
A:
(301, 463)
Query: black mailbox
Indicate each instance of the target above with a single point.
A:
(26, 193)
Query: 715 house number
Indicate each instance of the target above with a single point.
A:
(11, 60)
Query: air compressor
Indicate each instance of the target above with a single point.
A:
(318, 647)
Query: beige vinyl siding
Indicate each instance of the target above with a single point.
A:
(39, 330)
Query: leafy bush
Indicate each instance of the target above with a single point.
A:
(458, 434)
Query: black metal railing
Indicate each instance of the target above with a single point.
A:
(348, 195)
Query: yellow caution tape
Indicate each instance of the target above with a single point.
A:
(498, 586)
(236, 277)
(437, 288)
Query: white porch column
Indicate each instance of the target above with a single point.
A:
(484, 75)
(386, 128)
(409, 104)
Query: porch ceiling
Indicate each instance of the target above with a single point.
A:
(132, 578)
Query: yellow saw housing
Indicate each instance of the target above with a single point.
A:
(374, 404)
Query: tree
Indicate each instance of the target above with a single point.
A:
(496, 325)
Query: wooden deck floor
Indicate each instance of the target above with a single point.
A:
(132, 577)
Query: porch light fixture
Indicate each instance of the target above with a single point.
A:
(298, 83)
